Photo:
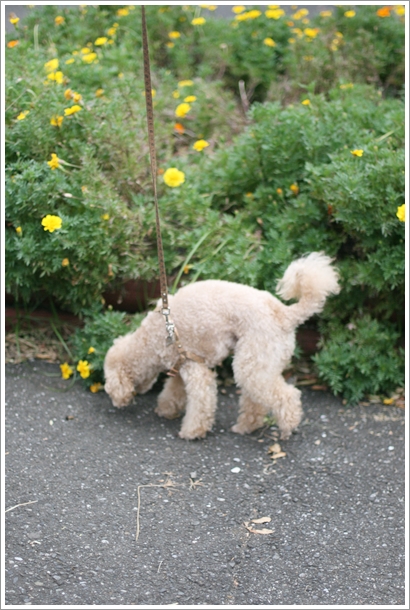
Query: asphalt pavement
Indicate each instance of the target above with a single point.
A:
(220, 522)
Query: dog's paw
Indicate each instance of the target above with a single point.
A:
(239, 429)
(168, 411)
(190, 435)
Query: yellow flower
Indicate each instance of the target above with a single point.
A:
(112, 31)
(99, 92)
(54, 162)
(91, 350)
(300, 14)
(52, 65)
(90, 57)
(173, 177)
(84, 189)
(96, 387)
(401, 213)
(187, 268)
(326, 13)
(190, 98)
(100, 41)
(56, 120)
(238, 9)
(269, 42)
(123, 12)
(200, 145)
(85, 50)
(70, 61)
(182, 109)
(12, 43)
(249, 15)
(358, 152)
(58, 77)
(294, 188)
(105, 217)
(185, 83)
(308, 57)
(306, 102)
(174, 35)
(198, 21)
(121, 75)
(23, 115)
(292, 40)
(279, 191)
(68, 94)
(388, 401)
(311, 32)
(77, 97)
(400, 10)
(84, 369)
(51, 223)
(346, 86)
(65, 262)
(275, 13)
(18, 230)
(59, 20)
(72, 110)
(170, 44)
(350, 14)
(14, 20)
(66, 370)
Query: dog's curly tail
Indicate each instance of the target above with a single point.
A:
(310, 280)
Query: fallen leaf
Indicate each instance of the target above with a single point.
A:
(322, 388)
(275, 448)
(261, 520)
(275, 456)
(264, 531)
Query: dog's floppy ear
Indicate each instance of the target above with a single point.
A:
(119, 387)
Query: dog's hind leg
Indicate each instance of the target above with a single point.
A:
(172, 400)
(201, 390)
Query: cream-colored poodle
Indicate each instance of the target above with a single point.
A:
(214, 319)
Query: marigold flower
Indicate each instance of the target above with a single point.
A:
(65, 262)
(105, 217)
(96, 387)
(23, 115)
(91, 350)
(326, 13)
(238, 9)
(185, 83)
(346, 86)
(198, 21)
(72, 110)
(59, 20)
(311, 32)
(66, 370)
(300, 14)
(89, 58)
(77, 97)
(350, 14)
(112, 31)
(51, 223)
(18, 230)
(174, 35)
(58, 77)
(99, 92)
(179, 128)
(200, 145)
(401, 213)
(357, 152)
(400, 10)
(70, 61)
(100, 41)
(306, 102)
(279, 191)
(84, 369)
(56, 120)
(275, 13)
(170, 44)
(14, 20)
(54, 162)
(210, 7)
(384, 11)
(269, 42)
(174, 177)
(182, 109)
(292, 40)
(52, 65)
(123, 12)
(12, 43)
(85, 50)
(190, 98)
(68, 94)
(294, 188)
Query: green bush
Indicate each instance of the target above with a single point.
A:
(325, 172)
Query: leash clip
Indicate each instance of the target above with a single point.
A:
(170, 326)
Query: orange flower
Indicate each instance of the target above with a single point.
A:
(179, 128)
(12, 43)
(384, 11)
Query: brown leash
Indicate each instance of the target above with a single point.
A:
(172, 334)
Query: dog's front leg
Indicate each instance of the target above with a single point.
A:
(201, 390)
(172, 400)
